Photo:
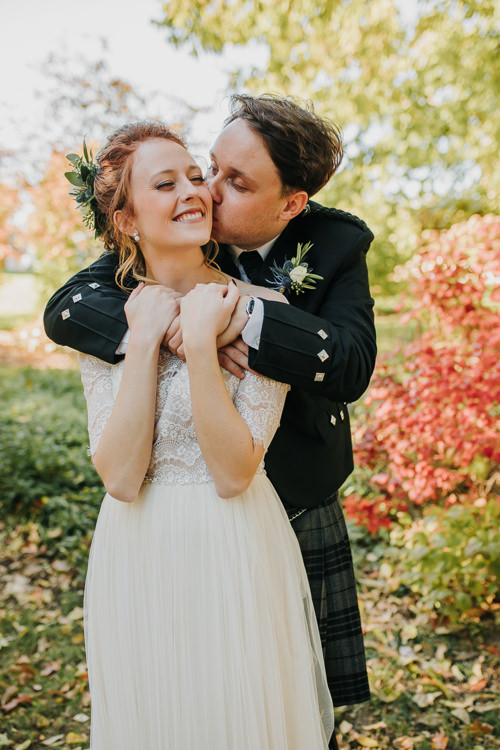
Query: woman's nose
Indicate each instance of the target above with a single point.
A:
(189, 189)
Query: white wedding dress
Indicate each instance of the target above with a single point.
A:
(199, 625)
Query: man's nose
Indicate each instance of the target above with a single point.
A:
(214, 185)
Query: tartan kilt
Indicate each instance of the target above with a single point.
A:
(323, 539)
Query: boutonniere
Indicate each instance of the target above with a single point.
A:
(295, 275)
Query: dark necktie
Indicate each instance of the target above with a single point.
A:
(252, 262)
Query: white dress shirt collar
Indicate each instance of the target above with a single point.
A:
(263, 250)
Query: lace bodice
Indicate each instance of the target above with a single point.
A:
(176, 456)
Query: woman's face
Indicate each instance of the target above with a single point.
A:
(172, 206)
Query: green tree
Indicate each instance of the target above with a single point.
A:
(413, 86)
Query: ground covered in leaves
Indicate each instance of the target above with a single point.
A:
(433, 686)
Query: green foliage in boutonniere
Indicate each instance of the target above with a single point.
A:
(295, 275)
(82, 178)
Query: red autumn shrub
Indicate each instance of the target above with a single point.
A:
(430, 433)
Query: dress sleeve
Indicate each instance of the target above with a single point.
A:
(98, 389)
(260, 402)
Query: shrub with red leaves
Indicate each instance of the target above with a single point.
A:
(430, 433)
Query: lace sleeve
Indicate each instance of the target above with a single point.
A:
(97, 384)
(260, 402)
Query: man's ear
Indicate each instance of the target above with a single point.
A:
(295, 204)
(123, 221)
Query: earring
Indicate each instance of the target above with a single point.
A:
(136, 237)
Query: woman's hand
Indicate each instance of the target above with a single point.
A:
(150, 311)
(206, 311)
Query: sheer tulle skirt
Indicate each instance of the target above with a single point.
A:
(200, 630)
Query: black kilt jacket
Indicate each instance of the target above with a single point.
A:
(322, 344)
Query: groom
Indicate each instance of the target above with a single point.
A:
(268, 160)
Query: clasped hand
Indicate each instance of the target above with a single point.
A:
(208, 311)
(232, 351)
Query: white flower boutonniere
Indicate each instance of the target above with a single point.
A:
(295, 275)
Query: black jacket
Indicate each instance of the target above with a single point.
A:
(311, 454)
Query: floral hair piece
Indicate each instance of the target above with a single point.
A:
(82, 178)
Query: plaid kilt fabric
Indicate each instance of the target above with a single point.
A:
(326, 551)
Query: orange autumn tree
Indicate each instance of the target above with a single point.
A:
(431, 432)
(63, 245)
(9, 203)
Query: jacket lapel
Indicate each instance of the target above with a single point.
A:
(284, 248)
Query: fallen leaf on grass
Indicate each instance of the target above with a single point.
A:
(26, 672)
(425, 699)
(50, 668)
(23, 745)
(467, 703)
(477, 728)
(366, 741)
(9, 693)
(372, 727)
(51, 741)
(476, 686)
(15, 702)
(81, 718)
(72, 738)
(440, 742)
(407, 743)
(462, 714)
(345, 727)
(493, 650)
(430, 720)
(482, 708)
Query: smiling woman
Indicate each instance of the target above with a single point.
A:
(199, 624)
(170, 208)
(145, 183)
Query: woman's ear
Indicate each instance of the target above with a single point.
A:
(123, 221)
(295, 204)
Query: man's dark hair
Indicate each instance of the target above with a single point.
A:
(305, 148)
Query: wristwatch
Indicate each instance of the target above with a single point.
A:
(250, 306)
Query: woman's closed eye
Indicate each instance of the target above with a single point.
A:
(167, 184)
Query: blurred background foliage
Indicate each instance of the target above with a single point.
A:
(414, 86)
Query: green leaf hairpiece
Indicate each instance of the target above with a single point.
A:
(82, 178)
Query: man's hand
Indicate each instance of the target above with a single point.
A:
(173, 337)
(234, 358)
(236, 324)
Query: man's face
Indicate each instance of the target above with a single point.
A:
(248, 205)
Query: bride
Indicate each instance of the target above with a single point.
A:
(200, 630)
